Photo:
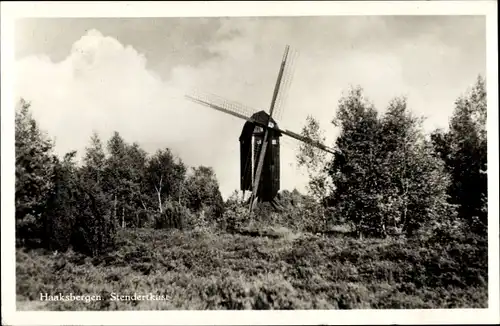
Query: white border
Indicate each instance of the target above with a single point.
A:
(12, 10)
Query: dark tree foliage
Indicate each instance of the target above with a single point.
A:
(135, 206)
(202, 192)
(34, 175)
(118, 177)
(62, 206)
(463, 148)
(58, 204)
(95, 229)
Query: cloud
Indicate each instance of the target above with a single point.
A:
(104, 86)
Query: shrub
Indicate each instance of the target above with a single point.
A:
(235, 217)
(95, 229)
(29, 231)
(173, 216)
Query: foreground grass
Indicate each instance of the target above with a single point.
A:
(200, 270)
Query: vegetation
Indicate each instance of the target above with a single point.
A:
(463, 148)
(384, 172)
(397, 218)
(205, 270)
(62, 204)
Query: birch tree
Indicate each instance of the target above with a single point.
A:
(315, 161)
(164, 176)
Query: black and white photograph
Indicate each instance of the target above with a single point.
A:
(252, 162)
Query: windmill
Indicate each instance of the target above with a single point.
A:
(259, 140)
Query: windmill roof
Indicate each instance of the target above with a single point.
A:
(262, 117)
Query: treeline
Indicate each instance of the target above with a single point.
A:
(61, 202)
(389, 176)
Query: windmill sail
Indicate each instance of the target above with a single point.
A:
(245, 112)
(286, 81)
(220, 104)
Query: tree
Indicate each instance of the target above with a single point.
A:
(95, 228)
(34, 173)
(164, 177)
(202, 191)
(136, 204)
(62, 206)
(120, 176)
(315, 161)
(415, 179)
(101, 180)
(94, 167)
(384, 171)
(464, 151)
(353, 168)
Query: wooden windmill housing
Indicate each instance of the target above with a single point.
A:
(251, 140)
(259, 139)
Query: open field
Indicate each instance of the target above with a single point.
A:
(202, 270)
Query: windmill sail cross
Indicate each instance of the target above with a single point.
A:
(261, 128)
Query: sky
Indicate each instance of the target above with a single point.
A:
(130, 75)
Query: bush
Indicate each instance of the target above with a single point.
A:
(309, 217)
(29, 231)
(95, 229)
(235, 217)
(173, 216)
(200, 270)
(294, 212)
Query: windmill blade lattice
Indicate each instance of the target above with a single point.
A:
(224, 103)
(286, 81)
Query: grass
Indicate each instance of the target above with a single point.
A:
(280, 270)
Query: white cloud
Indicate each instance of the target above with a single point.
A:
(104, 86)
